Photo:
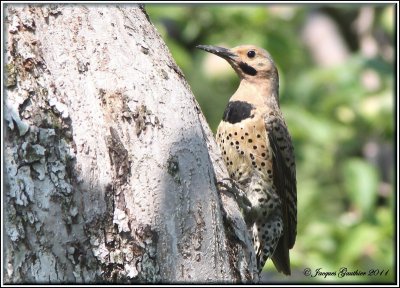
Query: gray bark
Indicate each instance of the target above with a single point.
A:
(110, 168)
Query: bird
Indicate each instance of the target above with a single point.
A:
(259, 155)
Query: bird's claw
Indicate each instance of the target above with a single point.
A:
(230, 185)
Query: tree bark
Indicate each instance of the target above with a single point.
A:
(110, 168)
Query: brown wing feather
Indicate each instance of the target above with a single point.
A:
(285, 184)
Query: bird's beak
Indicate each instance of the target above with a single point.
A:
(219, 51)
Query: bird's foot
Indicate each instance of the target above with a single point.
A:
(231, 186)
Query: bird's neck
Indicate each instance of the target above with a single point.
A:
(264, 93)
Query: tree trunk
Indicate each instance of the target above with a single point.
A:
(110, 168)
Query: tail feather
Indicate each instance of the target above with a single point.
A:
(280, 258)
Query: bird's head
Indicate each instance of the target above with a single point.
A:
(250, 62)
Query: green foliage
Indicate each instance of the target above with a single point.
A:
(361, 180)
(341, 128)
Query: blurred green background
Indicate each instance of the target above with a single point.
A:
(336, 66)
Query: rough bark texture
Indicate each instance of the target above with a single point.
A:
(109, 166)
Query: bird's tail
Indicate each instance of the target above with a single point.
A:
(280, 258)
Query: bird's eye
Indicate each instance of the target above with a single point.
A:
(251, 54)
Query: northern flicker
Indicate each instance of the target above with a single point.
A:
(258, 152)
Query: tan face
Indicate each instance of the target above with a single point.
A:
(250, 62)
(253, 63)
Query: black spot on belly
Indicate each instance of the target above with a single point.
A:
(237, 111)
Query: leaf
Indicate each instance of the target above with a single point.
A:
(361, 182)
